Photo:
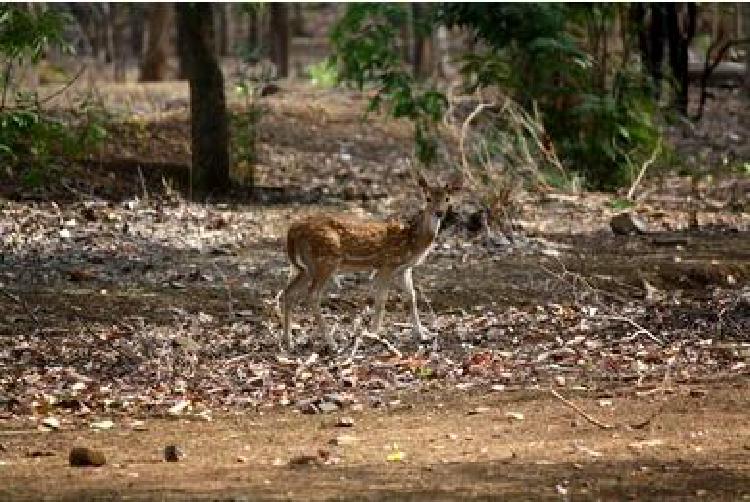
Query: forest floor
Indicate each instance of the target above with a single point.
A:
(132, 318)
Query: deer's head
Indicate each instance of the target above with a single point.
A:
(438, 200)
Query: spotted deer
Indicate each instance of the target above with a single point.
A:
(320, 246)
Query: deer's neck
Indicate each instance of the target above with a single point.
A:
(422, 230)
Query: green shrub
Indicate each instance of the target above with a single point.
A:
(30, 136)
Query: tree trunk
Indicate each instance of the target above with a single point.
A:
(136, 20)
(208, 111)
(280, 38)
(154, 67)
(746, 34)
(679, 35)
(119, 57)
(183, 55)
(655, 48)
(230, 16)
(422, 48)
(298, 21)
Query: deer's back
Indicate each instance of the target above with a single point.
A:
(355, 242)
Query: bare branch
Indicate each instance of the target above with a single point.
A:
(578, 410)
(646, 165)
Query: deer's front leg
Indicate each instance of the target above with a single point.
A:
(382, 280)
(408, 285)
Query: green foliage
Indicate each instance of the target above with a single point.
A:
(31, 137)
(620, 203)
(244, 133)
(538, 55)
(26, 33)
(364, 41)
(600, 118)
(323, 74)
(244, 127)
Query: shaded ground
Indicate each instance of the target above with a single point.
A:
(122, 305)
(696, 446)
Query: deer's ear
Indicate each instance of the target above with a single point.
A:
(423, 183)
(455, 183)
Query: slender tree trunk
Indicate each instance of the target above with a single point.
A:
(230, 17)
(208, 111)
(746, 34)
(154, 67)
(136, 21)
(252, 29)
(422, 46)
(298, 21)
(280, 38)
(680, 34)
(119, 58)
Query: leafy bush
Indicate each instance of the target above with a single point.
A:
(539, 56)
(30, 136)
(366, 54)
(546, 56)
(323, 74)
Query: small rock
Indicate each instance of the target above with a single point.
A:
(560, 381)
(308, 407)
(345, 422)
(241, 459)
(86, 457)
(102, 425)
(478, 410)
(339, 400)
(138, 425)
(268, 89)
(51, 423)
(328, 407)
(627, 224)
(514, 415)
(178, 407)
(305, 461)
(173, 453)
(639, 445)
(204, 415)
(343, 440)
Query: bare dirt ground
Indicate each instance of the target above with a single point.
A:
(132, 320)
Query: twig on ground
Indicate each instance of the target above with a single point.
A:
(644, 423)
(64, 87)
(641, 329)
(21, 302)
(143, 183)
(644, 167)
(384, 341)
(577, 409)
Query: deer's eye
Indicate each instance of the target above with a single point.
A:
(429, 199)
(447, 199)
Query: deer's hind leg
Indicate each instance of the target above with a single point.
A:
(323, 271)
(291, 294)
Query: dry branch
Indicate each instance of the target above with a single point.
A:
(645, 166)
(23, 303)
(578, 410)
(641, 329)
